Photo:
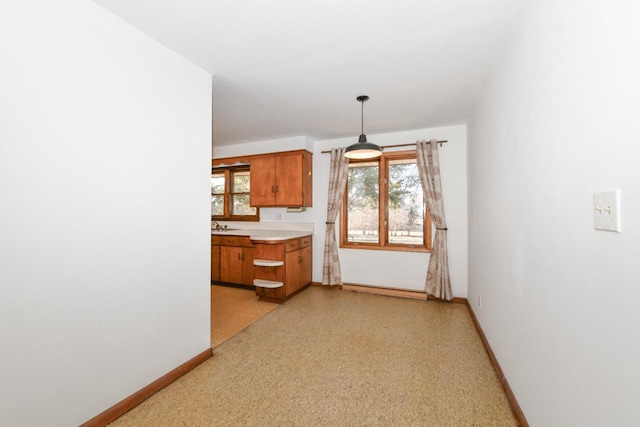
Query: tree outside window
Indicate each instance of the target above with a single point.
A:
(217, 193)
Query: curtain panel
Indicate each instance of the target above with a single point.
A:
(438, 282)
(339, 169)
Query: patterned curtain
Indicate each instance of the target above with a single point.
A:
(331, 274)
(438, 282)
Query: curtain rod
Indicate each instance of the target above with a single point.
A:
(444, 141)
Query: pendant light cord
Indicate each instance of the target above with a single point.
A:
(362, 118)
(362, 99)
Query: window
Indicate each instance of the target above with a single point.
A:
(230, 195)
(384, 207)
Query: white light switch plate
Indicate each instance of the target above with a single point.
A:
(606, 210)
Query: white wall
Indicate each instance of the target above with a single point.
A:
(105, 141)
(402, 270)
(558, 121)
(262, 147)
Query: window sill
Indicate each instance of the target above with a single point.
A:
(235, 218)
(384, 248)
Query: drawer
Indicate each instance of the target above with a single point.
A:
(247, 243)
(305, 241)
(231, 240)
(292, 245)
(215, 240)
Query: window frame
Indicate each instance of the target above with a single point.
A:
(228, 183)
(383, 210)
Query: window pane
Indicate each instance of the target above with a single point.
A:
(217, 205)
(241, 181)
(406, 205)
(240, 205)
(217, 183)
(363, 193)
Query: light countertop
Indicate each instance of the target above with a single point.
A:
(267, 235)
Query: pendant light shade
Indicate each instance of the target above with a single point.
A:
(363, 149)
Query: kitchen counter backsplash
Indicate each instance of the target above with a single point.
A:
(266, 226)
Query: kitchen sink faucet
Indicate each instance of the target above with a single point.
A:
(218, 226)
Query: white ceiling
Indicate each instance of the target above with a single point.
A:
(295, 67)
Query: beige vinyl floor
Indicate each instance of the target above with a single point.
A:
(232, 310)
(338, 358)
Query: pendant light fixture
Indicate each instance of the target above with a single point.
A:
(363, 149)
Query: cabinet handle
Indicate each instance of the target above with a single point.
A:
(277, 187)
(273, 188)
(240, 257)
(300, 260)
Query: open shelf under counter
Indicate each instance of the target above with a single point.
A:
(267, 263)
(262, 283)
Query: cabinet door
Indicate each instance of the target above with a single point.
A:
(292, 275)
(248, 254)
(263, 181)
(289, 180)
(231, 264)
(306, 265)
(215, 262)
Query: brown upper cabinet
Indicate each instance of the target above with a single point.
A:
(282, 179)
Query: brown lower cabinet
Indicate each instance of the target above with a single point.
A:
(215, 258)
(232, 263)
(298, 269)
(295, 273)
(236, 255)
